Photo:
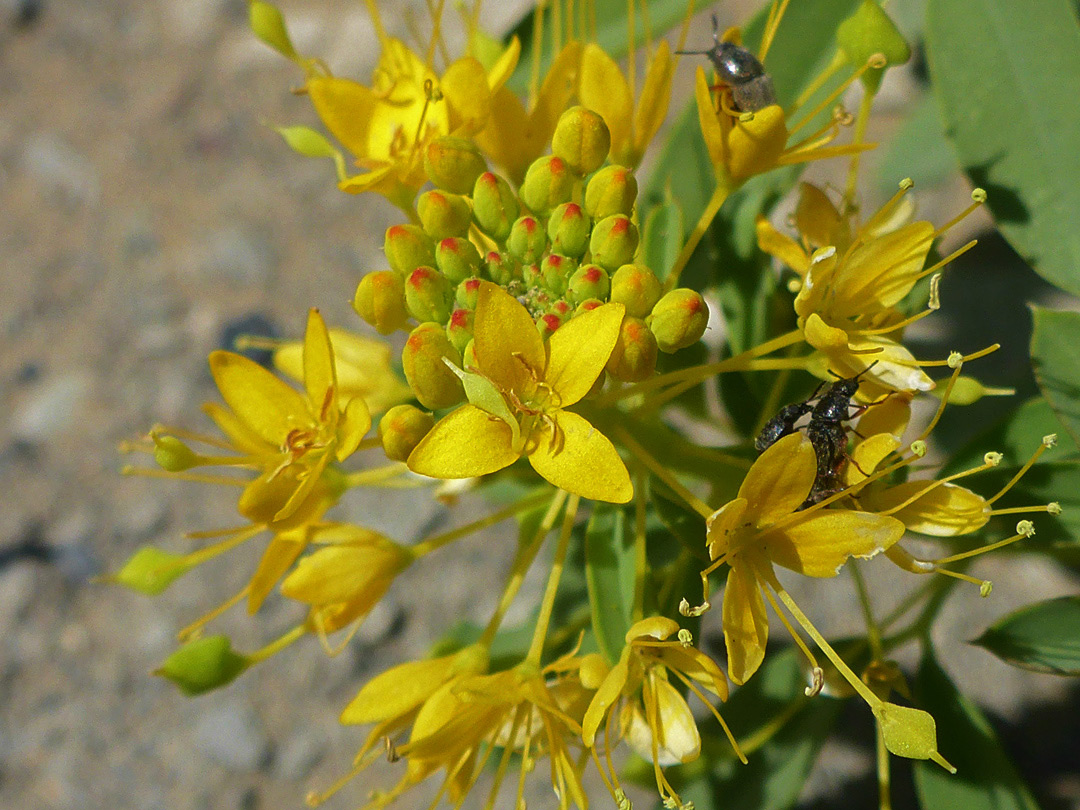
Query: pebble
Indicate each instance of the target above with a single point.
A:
(238, 255)
(299, 755)
(18, 584)
(49, 409)
(61, 169)
(231, 735)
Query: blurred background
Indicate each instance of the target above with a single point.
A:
(148, 214)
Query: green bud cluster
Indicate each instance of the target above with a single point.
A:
(564, 242)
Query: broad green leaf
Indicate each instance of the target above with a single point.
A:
(919, 150)
(1044, 637)
(985, 779)
(1005, 74)
(663, 235)
(609, 571)
(1055, 353)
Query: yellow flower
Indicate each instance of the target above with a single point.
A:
(519, 393)
(763, 526)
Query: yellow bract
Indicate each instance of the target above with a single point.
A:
(518, 402)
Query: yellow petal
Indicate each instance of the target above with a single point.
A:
(652, 106)
(944, 511)
(278, 558)
(779, 481)
(602, 701)
(817, 218)
(868, 454)
(355, 422)
(466, 90)
(820, 335)
(746, 627)
(345, 108)
(398, 690)
(711, 131)
(582, 460)
(675, 736)
(889, 416)
(319, 376)
(603, 89)
(579, 350)
(556, 91)
(509, 349)
(895, 369)
(242, 437)
(693, 663)
(722, 526)
(464, 444)
(264, 403)
(656, 628)
(819, 544)
(782, 246)
(509, 137)
(343, 573)
(503, 68)
(755, 146)
(375, 180)
(881, 272)
(312, 470)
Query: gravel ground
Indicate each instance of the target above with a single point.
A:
(147, 214)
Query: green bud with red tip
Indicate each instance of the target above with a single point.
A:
(457, 259)
(637, 288)
(460, 328)
(634, 357)
(502, 268)
(612, 190)
(588, 305)
(527, 241)
(530, 275)
(408, 247)
(548, 323)
(428, 295)
(203, 665)
(433, 383)
(443, 214)
(453, 164)
(380, 300)
(614, 242)
(589, 281)
(467, 293)
(401, 429)
(679, 320)
(494, 206)
(568, 228)
(582, 140)
(150, 571)
(549, 182)
(555, 272)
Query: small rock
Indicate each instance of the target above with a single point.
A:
(49, 409)
(18, 583)
(61, 169)
(299, 755)
(231, 735)
(239, 255)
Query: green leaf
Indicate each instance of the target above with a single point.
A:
(609, 571)
(985, 778)
(919, 150)
(1055, 353)
(663, 235)
(1044, 637)
(1005, 74)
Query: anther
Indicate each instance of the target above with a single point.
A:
(992, 459)
(955, 360)
(934, 301)
(1049, 440)
(686, 638)
(693, 612)
(817, 682)
(985, 588)
(918, 448)
(907, 184)
(978, 195)
(877, 61)
(1054, 508)
(1026, 528)
(746, 117)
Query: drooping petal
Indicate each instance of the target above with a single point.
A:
(313, 469)
(695, 664)
(466, 90)
(602, 701)
(263, 402)
(779, 480)
(817, 218)
(652, 106)
(944, 511)
(581, 460)
(722, 525)
(579, 350)
(242, 437)
(319, 374)
(603, 89)
(890, 416)
(819, 544)
(345, 108)
(755, 146)
(464, 444)
(711, 131)
(746, 626)
(825, 338)
(509, 349)
(880, 272)
(781, 246)
(355, 422)
(675, 733)
(868, 454)
(504, 66)
(279, 556)
(896, 367)
(658, 628)
(398, 690)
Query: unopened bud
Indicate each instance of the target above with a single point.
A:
(548, 183)
(679, 320)
(453, 164)
(634, 357)
(428, 295)
(203, 665)
(408, 247)
(614, 242)
(467, 292)
(150, 571)
(589, 281)
(443, 214)
(868, 34)
(588, 305)
(555, 272)
(581, 139)
(460, 328)
(530, 275)
(501, 268)
(172, 454)
(401, 429)
(548, 323)
(380, 300)
(992, 458)
(434, 385)
(612, 190)
(494, 206)
(637, 288)
(527, 241)
(457, 259)
(568, 228)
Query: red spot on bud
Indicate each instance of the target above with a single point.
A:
(557, 166)
(555, 261)
(561, 308)
(493, 257)
(693, 305)
(572, 211)
(395, 232)
(633, 329)
(449, 245)
(589, 306)
(592, 275)
(459, 319)
(530, 225)
(489, 179)
(420, 276)
(552, 322)
(620, 226)
(415, 343)
(473, 284)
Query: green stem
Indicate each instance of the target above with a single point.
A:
(873, 631)
(712, 208)
(440, 540)
(276, 646)
(536, 648)
(640, 558)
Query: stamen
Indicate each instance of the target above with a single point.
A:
(875, 61)
(657, 469)
(1042, 448)
(201, 478)
(950, 258)
(771, 26)
(815, 668)
(693, 687)
(985, 549)
(191, 436)
(978, 197)
(196, 626)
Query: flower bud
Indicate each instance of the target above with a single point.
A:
(634, 357)
(581, 139)
(434, 384)
(428, 295)
(612, 190)
(568, 229)
(588, 305)
(401, 429)
(150, 571)
(203, 665)
(443, 214)
(548, 323)
(637, 288)
(555, 272)
(869, 32)
(679, 319)
(502, 268)
(530, 275)
(467, 292)
(460, 328)
(171, 454)
(408, 247)
(380, 300)
(453, 164)
(614, 242)
(458, 259)
(494, 206)
(549, 182)
(527, 240)
(589, 281)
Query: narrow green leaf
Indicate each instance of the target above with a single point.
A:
(985, 779)
(609, 572)
(1055, 352)
(1044, 637)
(1005, 75)
(663, 235)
